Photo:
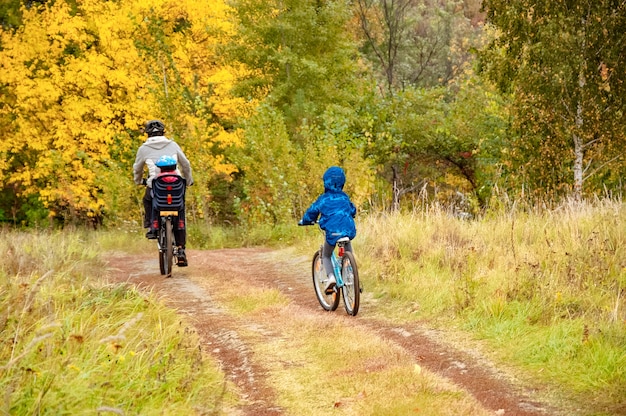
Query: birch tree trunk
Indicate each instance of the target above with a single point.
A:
(395, 206)
(579, 145)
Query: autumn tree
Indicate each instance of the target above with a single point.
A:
(66, 102)
(563, 64)
(439, 143)
(421, 52)
(79, 80)
(303, 64)
(421, 43)
(191, 82)
(300, 55)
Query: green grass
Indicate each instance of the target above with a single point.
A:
(544, 291)
(202, 236)
(71, 344)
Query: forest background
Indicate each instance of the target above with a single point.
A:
(465, 103)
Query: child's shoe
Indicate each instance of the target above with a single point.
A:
(330, 284)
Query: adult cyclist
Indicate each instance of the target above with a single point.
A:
(155, 146)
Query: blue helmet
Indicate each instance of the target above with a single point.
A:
(166, 162)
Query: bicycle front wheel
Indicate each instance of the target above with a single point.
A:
(328, 302)
(351, 289)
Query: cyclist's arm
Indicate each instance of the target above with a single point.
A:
(352, 210)
(311, 214)
(138, 168)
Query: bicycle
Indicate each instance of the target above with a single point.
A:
(346, 273)
(168, 198)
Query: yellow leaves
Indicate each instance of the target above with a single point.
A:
(78, 89)
(64, 112)
(224, 104)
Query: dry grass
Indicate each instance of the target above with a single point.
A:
(314, 365)
(71, 344)
(545, 290)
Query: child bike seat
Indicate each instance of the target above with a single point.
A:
(168, 192)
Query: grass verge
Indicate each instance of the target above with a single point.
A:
(543, 292)
(71, 344)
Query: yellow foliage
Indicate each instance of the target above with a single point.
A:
(80, 82)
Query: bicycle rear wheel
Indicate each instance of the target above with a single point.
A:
(161, 255)
(351, 289)
(166, 251)
(162, 245)
(328, 302)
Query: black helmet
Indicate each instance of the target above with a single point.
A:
(154, 128)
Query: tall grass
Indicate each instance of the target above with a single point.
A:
(71, 344)
(206, 236)
(546, 289)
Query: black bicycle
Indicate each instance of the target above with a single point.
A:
(168, 200)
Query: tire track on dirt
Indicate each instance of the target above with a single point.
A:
(218, 332)
(187, 293)
(492, 388)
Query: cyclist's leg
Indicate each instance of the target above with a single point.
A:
(180, 229)
(180, 234)
(147, 208)
(327, 252)
(150, 215)
(348, 246)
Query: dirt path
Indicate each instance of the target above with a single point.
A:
(187, 293)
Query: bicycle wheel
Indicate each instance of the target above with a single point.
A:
(167, 251)
(161, 261)
(351, 289)
(328, 302)
(161, 245)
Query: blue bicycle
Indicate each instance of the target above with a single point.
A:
(346, 276)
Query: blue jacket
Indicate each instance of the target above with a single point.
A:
(333, 208)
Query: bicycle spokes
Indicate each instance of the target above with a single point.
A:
(351, 290)
(330, 301)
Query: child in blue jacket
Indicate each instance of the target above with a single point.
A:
(336, 217)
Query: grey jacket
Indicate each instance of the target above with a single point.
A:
(151, 150)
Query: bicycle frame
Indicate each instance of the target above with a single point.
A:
(335, 258)
(347, 285)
